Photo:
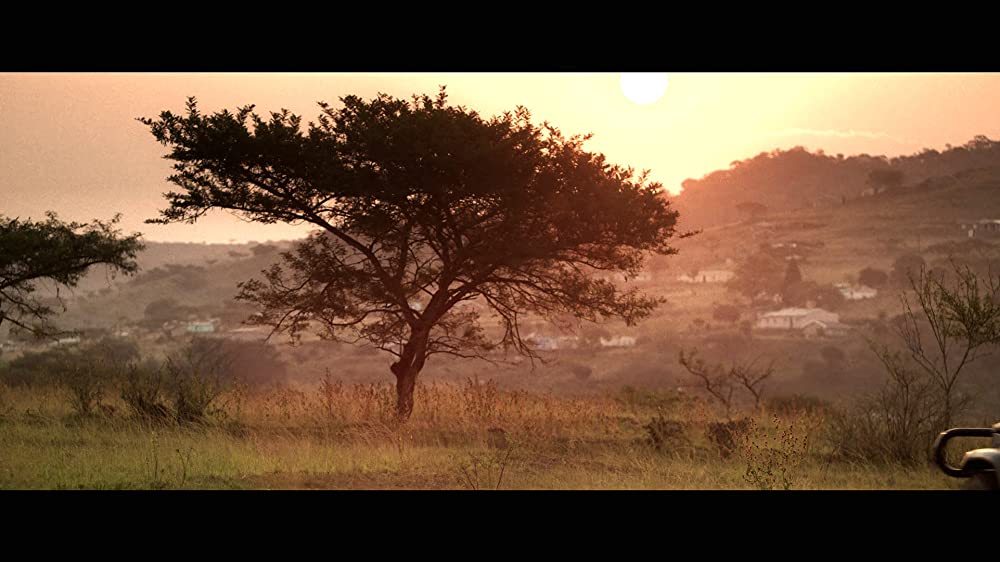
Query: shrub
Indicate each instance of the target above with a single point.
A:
(665, 434)
(727, 436)
(38, 368)
(86, 381)
(196, 376)
(871, 277)
(771, 461)
(142, 390)
(895, 424)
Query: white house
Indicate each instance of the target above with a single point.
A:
(795, 318)
(855, 293)
(552, 343)
(201, 326)
(708, 276)
(248, 333)
(71, 340)
(982, 226)
(618, 341)
(641, 276)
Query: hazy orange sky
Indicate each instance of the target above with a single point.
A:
(70, 143)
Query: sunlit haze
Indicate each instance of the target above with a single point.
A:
(70, 143)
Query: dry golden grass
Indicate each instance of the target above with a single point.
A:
(462, 436)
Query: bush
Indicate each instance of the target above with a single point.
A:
(86, 372)
(86, 382)
(665, 434)
(143, 392)
(38, 368)
(773, 460)
(196, 376)
(182, 388)
(871, 277)
(896, 424)
(729, 435)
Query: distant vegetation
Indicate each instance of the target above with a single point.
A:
(783, 180)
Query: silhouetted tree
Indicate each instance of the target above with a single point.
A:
(163, 311)
(951, 326)
(421, 202)
(792, 273)
(721, 381)
(828, 297)
(885, 179)
(35, 252)
(759, 277)
(798, 294)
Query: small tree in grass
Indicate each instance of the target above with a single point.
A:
(946, 326)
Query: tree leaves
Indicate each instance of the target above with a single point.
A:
(421, 200)
(33, 251)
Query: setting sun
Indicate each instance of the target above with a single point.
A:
(644, 87)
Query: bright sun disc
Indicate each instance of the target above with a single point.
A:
(644, 87)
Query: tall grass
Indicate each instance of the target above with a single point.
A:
(470, 435)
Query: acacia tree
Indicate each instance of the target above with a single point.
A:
(428, 215)
(58, 253)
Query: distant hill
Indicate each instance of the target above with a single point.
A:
(783, 180)
(160, 255)
(924, 219)
(200, 276)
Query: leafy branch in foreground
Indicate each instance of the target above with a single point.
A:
(56, 252)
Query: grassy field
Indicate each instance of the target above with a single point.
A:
(461, 436)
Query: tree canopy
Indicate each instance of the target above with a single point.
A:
(759, 277)
(427, 215)
(57, 252)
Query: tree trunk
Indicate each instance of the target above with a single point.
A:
(410, 363)
(405, 383)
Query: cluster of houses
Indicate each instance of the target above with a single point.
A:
(640, 277)
(981, 227)
(708, 276)
(553, 343)
(715, 274)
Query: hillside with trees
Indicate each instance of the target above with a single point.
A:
(783, 180)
